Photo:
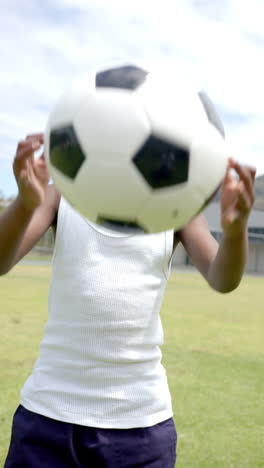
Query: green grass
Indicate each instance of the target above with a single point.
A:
(23, 311)
(213, 353)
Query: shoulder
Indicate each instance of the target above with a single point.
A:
(189, 229)
(196, 227)
(195, 234)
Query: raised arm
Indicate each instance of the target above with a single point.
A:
(223, 265)
(35, 208)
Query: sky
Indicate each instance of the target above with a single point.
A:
(45, 46)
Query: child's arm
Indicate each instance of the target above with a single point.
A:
(33, 211)
(223, 265)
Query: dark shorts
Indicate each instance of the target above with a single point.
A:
(41, 442)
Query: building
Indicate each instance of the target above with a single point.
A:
(255, 263)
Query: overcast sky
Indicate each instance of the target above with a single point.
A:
(45, 45)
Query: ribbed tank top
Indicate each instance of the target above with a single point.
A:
(99, 363)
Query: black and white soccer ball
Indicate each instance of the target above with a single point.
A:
(133, 149)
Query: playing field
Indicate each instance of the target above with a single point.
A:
(213, 352)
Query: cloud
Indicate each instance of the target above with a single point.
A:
(44, 46)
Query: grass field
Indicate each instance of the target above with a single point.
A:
(213, 352)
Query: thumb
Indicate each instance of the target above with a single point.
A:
(229, 178)
(42, 161)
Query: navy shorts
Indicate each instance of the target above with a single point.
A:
(41, 442)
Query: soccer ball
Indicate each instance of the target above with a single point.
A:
(132, 149)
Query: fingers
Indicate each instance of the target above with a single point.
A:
(24, 161)
(42, 158)
(245, 181)
(36, 136)
(245, 173)
(238, 196)
(26, 148)
(24, 157)
(246, 198)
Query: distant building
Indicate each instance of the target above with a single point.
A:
(255, 263)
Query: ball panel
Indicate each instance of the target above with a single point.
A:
(126, 77)
(175, 114)
(208, 200)
(114, 192)
(170, 208)
(69, 102)
(161, 163)
(66, 154)
(68, 189)
(208, 154)
(111, 125)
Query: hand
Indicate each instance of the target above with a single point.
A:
(237, 198)
(31, 174)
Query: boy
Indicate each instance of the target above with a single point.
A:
(98, 394)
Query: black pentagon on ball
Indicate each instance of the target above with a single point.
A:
(66, 154)
(126, 77)
(161, 163)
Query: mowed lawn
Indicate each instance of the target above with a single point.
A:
(213, 353)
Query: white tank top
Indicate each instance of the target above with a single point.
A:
(100, 361)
